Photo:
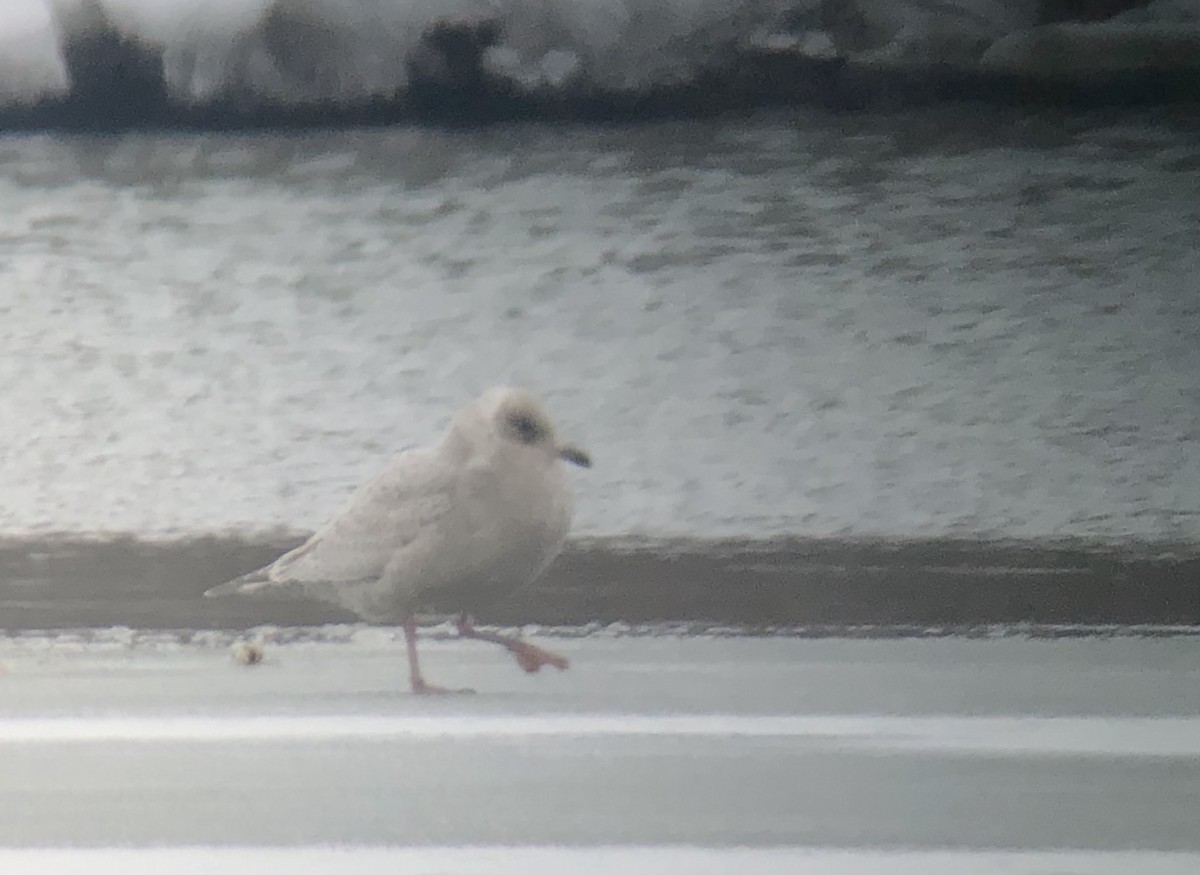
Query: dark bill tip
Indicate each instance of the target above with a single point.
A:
(575, 456)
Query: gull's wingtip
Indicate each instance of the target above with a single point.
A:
(245, 583)
(227, 588)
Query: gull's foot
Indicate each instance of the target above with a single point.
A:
(424, 689)
(531, 657)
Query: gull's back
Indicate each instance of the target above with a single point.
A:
(392, 523)
(401, 508)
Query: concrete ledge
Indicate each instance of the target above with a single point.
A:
(77, 582)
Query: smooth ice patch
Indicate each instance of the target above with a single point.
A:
(627, 860)
(985, 736)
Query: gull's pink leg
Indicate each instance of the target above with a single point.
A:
(529, 656)
(414, 666)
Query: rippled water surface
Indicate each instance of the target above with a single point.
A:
(942, 322)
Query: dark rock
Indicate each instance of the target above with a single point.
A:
(1057, 11)
(115, 80)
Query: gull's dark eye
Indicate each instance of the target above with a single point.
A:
(525, 427)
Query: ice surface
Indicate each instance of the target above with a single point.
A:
(1126, 737)
(884, 754)
(598, 860)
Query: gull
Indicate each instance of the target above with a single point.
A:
(479, 514)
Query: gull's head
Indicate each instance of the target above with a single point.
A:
(516, 417)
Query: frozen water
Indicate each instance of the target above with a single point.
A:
(1015, 755)
(923, 324)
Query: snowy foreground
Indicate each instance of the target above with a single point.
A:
(655, 753)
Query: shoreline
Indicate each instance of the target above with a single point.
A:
(116, 78)
(72, 581)
(762, 82)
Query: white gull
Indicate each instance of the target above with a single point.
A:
(478, 515)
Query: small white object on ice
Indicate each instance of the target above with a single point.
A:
(247, 653)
